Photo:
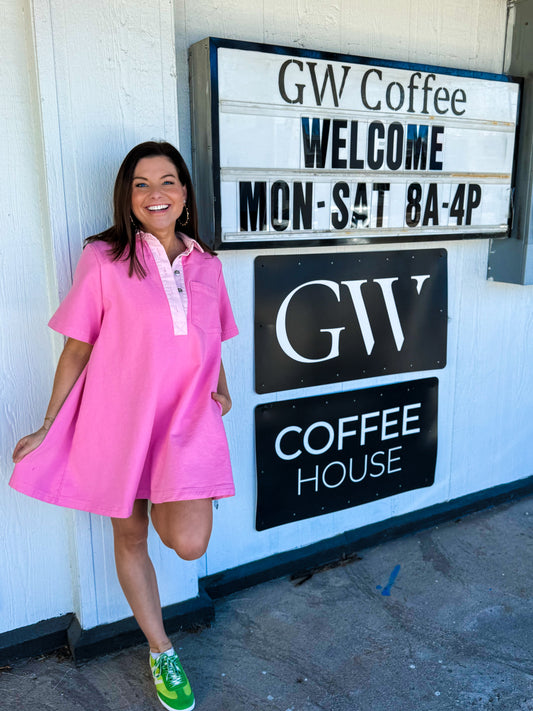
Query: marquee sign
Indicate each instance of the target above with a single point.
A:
(322, 454)
(298, 147)
(327, 318)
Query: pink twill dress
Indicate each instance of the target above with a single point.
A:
(140, 422)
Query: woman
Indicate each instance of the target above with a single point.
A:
(135, 411)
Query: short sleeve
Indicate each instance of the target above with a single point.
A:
(80, 313)
(227, 321)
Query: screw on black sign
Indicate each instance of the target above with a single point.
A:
(336, 317)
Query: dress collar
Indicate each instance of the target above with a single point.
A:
(189, 242)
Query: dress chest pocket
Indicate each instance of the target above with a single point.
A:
(204, 307)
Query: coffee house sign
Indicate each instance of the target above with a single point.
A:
(304, 147)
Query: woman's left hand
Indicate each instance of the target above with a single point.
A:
(224, 400)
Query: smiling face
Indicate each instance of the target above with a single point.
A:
(157, 195)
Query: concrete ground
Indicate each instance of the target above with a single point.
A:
(440, 619)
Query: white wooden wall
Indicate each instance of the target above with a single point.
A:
(100, 78)
(34, 555)
(88, 81)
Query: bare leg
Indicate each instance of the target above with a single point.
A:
(137, 576)
(184, 526)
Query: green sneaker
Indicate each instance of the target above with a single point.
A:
(171, 683)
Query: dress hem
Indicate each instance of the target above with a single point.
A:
(189, 494)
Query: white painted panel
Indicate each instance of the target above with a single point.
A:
(107, 82)
(490, 152)
(493, 437)
(35, 579)
(256, 141)
(177, 579)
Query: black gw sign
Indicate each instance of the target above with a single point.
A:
(335, 317)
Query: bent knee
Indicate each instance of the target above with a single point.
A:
(187, 549)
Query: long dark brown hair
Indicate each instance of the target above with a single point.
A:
(121, 236)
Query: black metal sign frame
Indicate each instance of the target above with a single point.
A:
(423, 202)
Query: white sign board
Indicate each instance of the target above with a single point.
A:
(310, 147)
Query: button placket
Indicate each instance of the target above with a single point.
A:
(178, 309)
(177, 268)
(172, 278)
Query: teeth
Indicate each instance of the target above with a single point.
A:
(154, 208)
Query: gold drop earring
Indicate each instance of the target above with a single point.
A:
(182, 224)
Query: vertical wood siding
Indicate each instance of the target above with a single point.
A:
(34, 559)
